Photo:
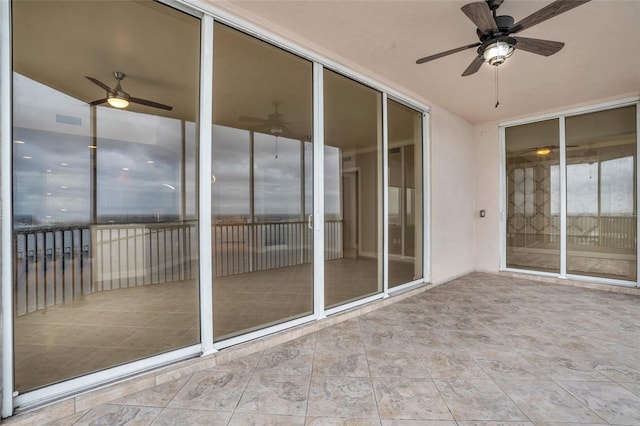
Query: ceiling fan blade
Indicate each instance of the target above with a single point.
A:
(474, 66)
(537, 46)
(446, 53)
(249, 119)
(98, 102)
(547, 12)
(99, 83)
(480, 14)
(150, 103)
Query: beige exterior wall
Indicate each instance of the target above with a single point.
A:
(487, 190)
(452, 196)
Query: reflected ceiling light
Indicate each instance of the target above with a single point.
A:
(149, 161)
(126, 169)
(64, 164)
(169, 186)
(92, 147)
(497, 52)
(64, 210)
(543, 151)
(48, 193)
(26, 157)
(63, 187)
(19, 142)
(49, 170)
(276, 131)
(118, 99)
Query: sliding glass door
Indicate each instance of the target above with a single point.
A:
(533, 196)
(104, 186)
(353, 190)
(597, 218)
(405, 219)
(262, 185)
(601, 194)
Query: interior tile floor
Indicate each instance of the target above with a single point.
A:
(482, 349)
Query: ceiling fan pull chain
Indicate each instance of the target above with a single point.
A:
(497, 90)
(276, 147)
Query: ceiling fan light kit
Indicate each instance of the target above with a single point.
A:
(497, 52)
(117, 101)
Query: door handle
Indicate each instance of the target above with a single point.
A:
(310, 221)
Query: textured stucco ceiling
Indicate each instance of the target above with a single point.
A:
(601, 58)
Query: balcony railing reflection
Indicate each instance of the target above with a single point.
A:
(249, 247)
(60, 265)
(599, 232)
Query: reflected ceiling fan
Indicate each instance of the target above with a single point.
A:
(539, 150)
(496, 32)
(274, 123)
(118, 98)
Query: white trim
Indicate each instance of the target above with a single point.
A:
(405, 286)
(262, 33)
(353, 304)
(204, 186)
(637, 193)
(503, 200)
(385, 197)
(532, 272)
(247, 337)
(601, 280)
(563, 196)
(6, 212)
(318, 191)
(574, 111)
(426, 197)
(102, 378)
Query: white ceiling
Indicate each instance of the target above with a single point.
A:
(600, 60)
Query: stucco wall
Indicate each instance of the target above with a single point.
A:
(452, 196)
(487, 190)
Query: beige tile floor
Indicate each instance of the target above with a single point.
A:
(479, 350)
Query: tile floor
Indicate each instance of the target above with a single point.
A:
(482, 349)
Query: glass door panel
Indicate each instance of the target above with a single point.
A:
(533, 196)
(405, 194)
(353, 190)
(601, 194)
(262, 191)
(105, 224)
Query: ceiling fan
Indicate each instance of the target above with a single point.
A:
(118, 98)
(495, 32)
(274, 123)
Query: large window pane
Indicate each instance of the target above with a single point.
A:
(105, 223)
(533, 196)
(405, 194)
(353, 188)
(601, 194)
(262, 192)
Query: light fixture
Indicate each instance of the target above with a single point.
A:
(543, 151)
(497, 52)
(19, 142)
(92, 147)
(118, 99)
(276, 131)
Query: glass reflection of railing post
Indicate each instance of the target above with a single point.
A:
(60, 265)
